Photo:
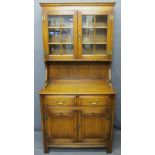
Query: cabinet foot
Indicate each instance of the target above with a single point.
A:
(109, 149)
(46, 149)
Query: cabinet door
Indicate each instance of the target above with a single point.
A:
(95, 32)
(61, 126)
(94, 125)
(60, 34)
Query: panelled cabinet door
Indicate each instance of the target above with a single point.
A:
(59, 31)
(94, 126)
(61, 126)
(95, 30)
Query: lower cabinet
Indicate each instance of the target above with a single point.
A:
(61, 126)
(94, 125)
(76, 125)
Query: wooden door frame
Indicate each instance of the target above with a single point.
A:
(45, 15)
(109, 34)
(54, 110)
(96, 111)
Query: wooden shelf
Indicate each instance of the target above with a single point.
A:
(87, 42)
(99, 42)
(74, 87)
(101, 25)
(101, 58)
(58, 43)
(79, 4)
(96, 27)
(58, 27)
(100, 52)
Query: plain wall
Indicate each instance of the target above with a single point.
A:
(39, 68)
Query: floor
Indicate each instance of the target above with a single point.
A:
(38, 147)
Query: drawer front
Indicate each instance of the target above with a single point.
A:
(59, 100)
(94, 100)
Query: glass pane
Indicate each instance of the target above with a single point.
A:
(87, 21)
(54, 21)
(101, 36)
(67, 49)
(94, 34)
(67, 21)
(54, 36)
(67, 35)
(60, 29)
(101, 21)
(100, 49)
(54, 49)
(88, 36)
(88, 49)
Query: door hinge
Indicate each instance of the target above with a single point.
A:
(107, 137)
(109, 117)
(78, 126)
(43, 17)
(111, 17)
(46, 134)
(111, 52)
(46, 117)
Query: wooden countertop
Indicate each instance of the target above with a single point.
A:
(78, 87)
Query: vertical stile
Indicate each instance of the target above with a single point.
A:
(60, 35)
(108, 35)
(45, 33)
(94, 34)
(79, 34)
(111, 40)
(79, 125)
(75, 32)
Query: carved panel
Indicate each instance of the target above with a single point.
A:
(60, 125)
(95, 125)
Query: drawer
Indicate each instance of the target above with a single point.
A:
(59, 100)
(94, 100)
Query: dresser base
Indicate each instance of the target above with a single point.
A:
(78, 145)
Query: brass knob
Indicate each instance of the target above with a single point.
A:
(93, 103)
(60, 103)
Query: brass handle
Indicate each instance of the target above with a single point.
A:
(60, 103)
(93, 103)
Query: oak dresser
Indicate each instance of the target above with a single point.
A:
(77, 99)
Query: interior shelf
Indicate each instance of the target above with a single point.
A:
(97, 26)
(58, 27)
(58, 43)
(99, 42)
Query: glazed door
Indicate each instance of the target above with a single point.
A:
(60, 34)
(94, 125)
(61, 126)
(95, 30)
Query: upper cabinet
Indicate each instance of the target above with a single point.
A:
(78, 33)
